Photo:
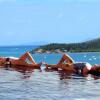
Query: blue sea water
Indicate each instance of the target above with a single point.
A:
(43, 85)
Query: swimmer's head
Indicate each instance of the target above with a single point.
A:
(7, 59)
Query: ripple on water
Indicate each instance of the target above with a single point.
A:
(46, 86)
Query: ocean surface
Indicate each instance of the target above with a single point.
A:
(42, 85)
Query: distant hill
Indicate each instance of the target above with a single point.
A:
(87, 46)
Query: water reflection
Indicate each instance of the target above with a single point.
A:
(25, 71)
(63, 75)
(69, 75)
(31, 84)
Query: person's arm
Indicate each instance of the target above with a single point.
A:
(61, 64)
(27, 56)
(66, 58)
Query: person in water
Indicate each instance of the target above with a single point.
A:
(22, 61)
(70, 66)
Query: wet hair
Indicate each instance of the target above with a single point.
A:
(7, 59)
(7, 65)
(95, 72)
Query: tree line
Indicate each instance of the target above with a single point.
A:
(88, 46)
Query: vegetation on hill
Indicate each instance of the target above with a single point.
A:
(88, 46)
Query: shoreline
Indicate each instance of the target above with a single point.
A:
(62, 52)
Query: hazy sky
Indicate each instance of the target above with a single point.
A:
(63, 21)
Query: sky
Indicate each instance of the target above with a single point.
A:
(31, 22)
